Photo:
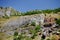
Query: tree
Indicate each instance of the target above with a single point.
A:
(56, 10)
(47, 11)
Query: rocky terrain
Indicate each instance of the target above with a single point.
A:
(34, 27)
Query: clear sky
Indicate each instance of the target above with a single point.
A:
(25, 5)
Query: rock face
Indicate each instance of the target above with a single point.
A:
(8, 11)
(4, 11)
(19, 22)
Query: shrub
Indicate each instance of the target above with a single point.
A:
(56, 10)
(37, 28)
(58, 21)
(16, 34)
(47, 11)
(34, 36)
(42, 39)
(27, 38)
(33, 23)
(48, 39)
(18, 37)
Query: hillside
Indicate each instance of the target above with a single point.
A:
(32, 25)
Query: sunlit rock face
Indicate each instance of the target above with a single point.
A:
(8, 12)
(39, 19)
(2, 12)
(5, 11)
(11, 25)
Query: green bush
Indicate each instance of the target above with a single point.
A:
(42, 39)
(41, 11)
(18, 37)
(56, 10)
(34, 32)
(34, 35)
(58, 21)
(32, 12)
(27, 38)
(47, 11)
(16, 34)
(37, 28)
(48, 39)
(33, 23)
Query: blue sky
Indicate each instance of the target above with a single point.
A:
(25, 5)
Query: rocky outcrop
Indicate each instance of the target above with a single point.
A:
(11, 25)
(5, 11)
(8, 11)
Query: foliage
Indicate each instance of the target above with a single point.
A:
(36, 11)
(34, 36)
(34, 32)
(56, 10)
(32, 12)
(37, 28)
(48, 39)
(20, 37)
(17, 37)
(42, 39)
(41, 11)
(53, 38)
(58, 21)
(33, 23)
(28, 38)
(16, 34)
(47, 11)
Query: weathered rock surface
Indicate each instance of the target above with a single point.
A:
(10, 26)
